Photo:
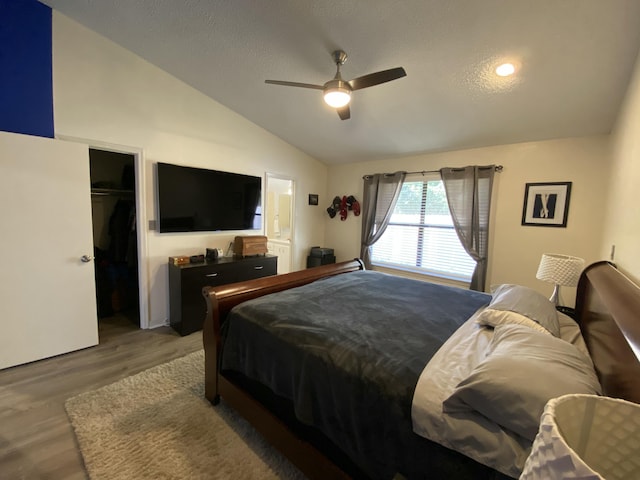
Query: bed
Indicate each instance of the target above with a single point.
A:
(353, 419)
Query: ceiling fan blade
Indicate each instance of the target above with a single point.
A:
(377, 78)
(294, 84)
(344, 112)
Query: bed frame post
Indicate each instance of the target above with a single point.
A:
(211, 335)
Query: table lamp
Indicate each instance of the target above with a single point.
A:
(560, 270)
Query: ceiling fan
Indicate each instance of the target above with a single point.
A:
(337, 92)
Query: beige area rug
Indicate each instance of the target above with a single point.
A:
(158, 425)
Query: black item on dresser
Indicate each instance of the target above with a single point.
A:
(187, 305)
(320, 256)
(317, 261)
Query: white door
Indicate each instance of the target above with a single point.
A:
(47, 293)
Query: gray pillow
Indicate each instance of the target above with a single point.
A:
(522, 305)
(523, 370)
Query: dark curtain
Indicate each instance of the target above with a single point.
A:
(469, 195)
(381, 192)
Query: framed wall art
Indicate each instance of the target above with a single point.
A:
(313, 199)
(546, 204)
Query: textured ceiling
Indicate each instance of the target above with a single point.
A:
(574, 59)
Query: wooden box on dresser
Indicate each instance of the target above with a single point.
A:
(187, 305)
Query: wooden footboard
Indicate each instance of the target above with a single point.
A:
(220, 300)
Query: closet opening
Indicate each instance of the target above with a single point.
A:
(113, 208)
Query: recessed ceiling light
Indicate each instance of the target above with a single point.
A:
(505, 69)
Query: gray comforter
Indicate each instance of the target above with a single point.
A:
(347, 351)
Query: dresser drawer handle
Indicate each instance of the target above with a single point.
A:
(258, 267)
(211, 275)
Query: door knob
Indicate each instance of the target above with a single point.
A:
(86, 258)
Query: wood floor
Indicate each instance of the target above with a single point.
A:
(36, 438)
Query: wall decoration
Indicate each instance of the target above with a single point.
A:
(344, 205)
(546, 204)
(313, 199)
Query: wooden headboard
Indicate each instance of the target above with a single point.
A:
(608, 311)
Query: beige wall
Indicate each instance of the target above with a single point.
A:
(106, 94)
(623, 209)
(514, 250)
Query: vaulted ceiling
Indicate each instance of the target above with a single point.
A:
(573, 61)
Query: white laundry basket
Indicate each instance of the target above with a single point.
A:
(586, 437)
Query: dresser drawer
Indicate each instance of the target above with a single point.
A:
(259, 267)
(212, 276)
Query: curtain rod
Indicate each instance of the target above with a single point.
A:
(497, 168)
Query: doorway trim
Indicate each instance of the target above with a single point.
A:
(141, 215)
(279, 176)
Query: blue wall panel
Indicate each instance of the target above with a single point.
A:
(26, 86)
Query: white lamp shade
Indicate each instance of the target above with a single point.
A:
(586, 437)
(560, 269)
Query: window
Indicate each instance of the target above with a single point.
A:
(420, 236)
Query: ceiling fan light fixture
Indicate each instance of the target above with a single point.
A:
(337, 93)
(337, 97)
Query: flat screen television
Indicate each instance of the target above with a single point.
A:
(201, 200)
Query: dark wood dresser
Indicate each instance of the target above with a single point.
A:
(187, 305)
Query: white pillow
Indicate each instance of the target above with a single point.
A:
(515, 304)
(493, 318)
